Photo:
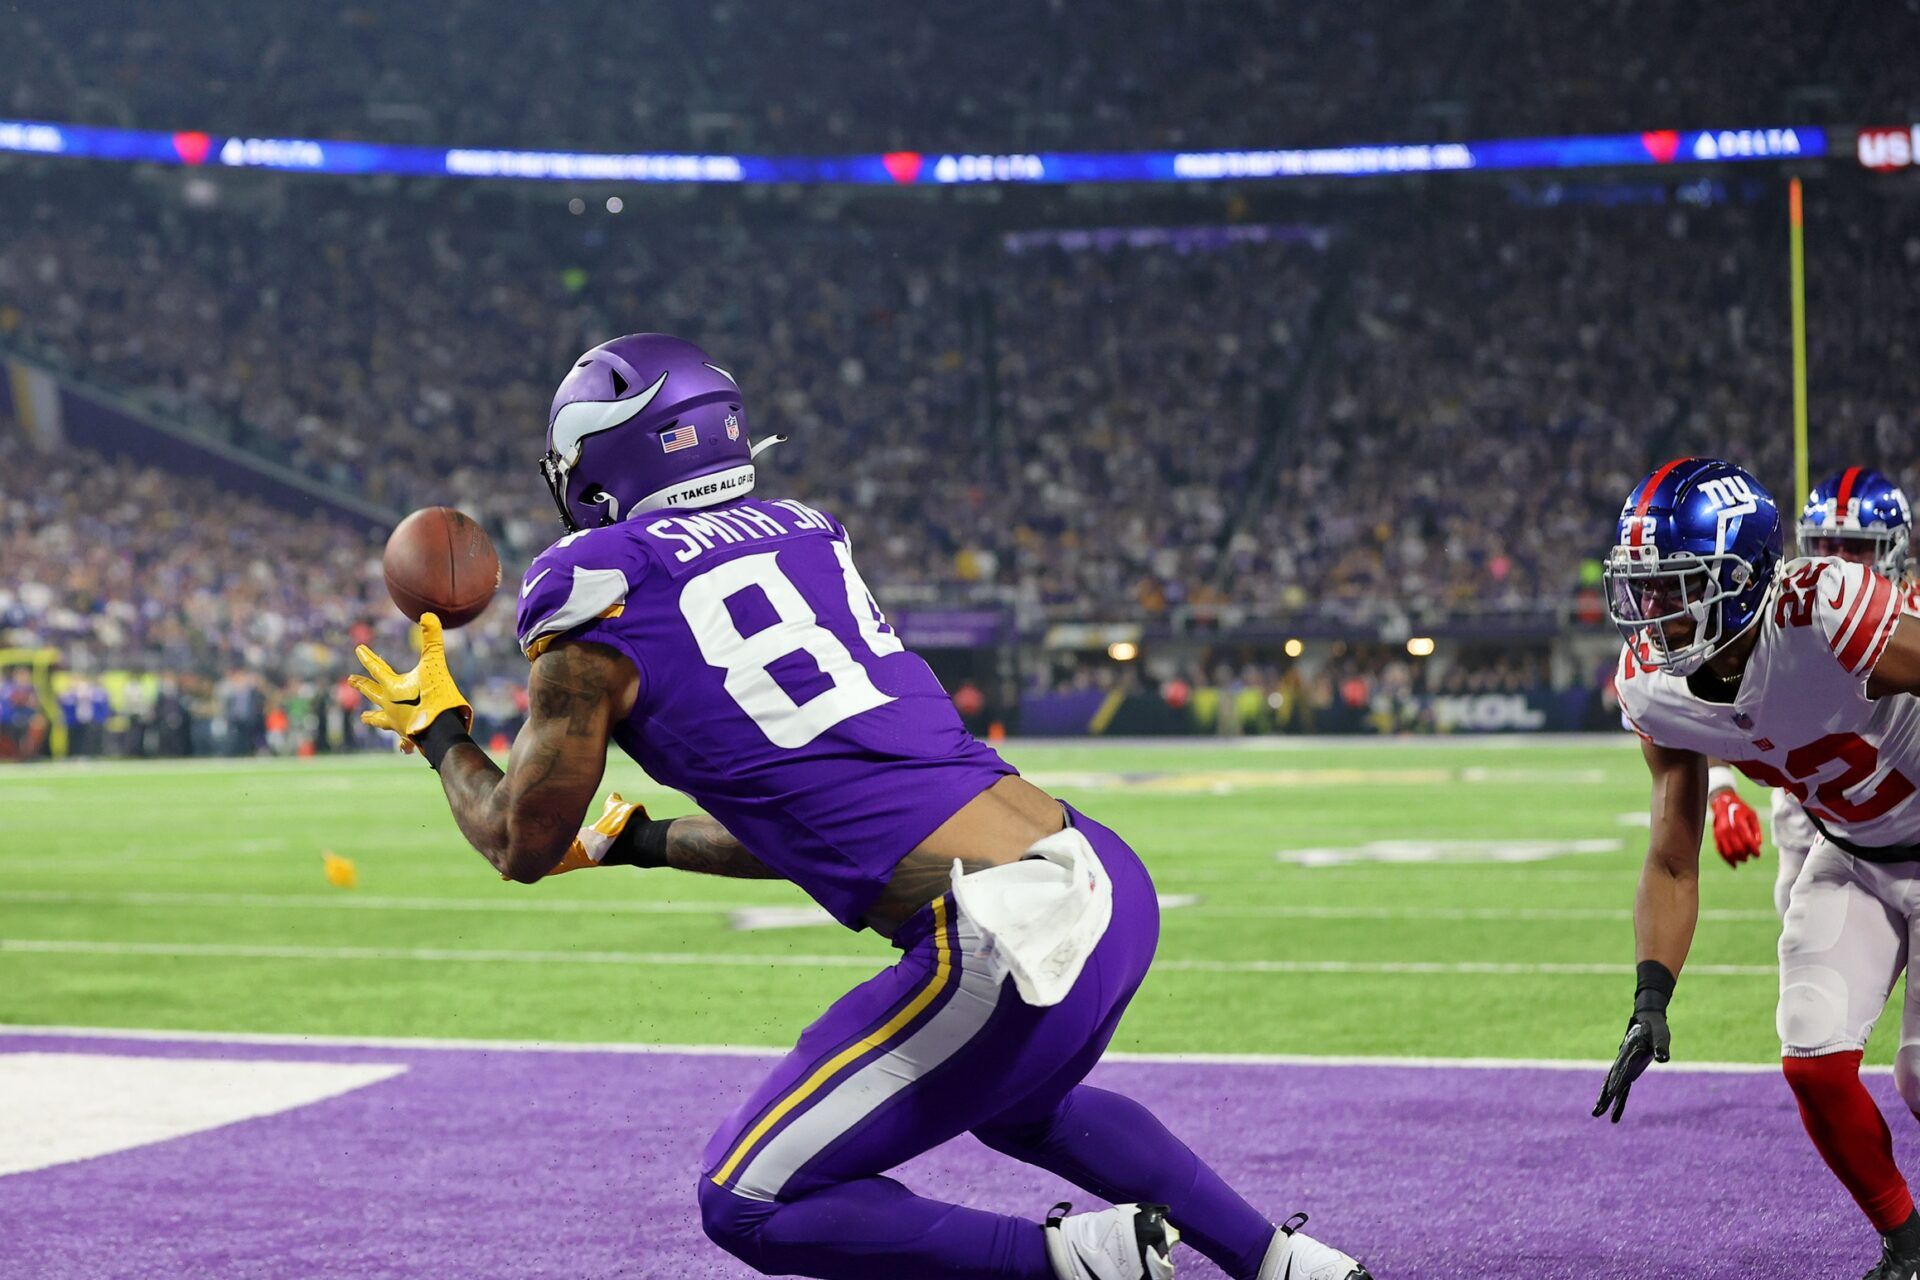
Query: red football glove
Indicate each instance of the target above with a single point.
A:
(1736, 827)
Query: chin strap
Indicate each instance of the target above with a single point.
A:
(766, 444)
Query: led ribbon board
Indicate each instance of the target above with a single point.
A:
(912, 168)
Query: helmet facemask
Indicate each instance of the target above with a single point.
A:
(1648, 593)
(555, 470)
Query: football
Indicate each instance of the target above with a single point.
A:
(439, 559)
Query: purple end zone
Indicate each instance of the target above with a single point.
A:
(565, 1164)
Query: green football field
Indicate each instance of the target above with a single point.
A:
(1432, 899)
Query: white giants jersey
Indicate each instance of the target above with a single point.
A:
(1802, 720)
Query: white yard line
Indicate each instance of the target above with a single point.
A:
(1299, 912)
(509, 901)
(273, 951)
(1313, 743)
(41, 771)
(727, 959)
(47, 769)
(770, 1051)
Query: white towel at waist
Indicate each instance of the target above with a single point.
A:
(1043, 915)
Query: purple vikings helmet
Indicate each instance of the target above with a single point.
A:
(645, 422)
(1699, 544)
(1861, 515)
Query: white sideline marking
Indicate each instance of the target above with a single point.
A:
(270, 951)
(508, 900)
(773, 1051)
(1550, 777)
(56, 1108)
(1722, 915)
(1186, 780)
(1188, 903)
(759, 919)
(1445, 851)
(253, 951)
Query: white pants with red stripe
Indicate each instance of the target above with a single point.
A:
(1850, 931)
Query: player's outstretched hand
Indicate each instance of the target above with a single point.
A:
(1647, 1041)
(1736, 827)
(408, 702)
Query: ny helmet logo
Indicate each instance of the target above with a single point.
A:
(1728, 491)
(1732, 497)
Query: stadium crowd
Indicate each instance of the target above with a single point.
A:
(1437, 415)
(1504, 377)
(410, 361)
(842, 76)
(188, 620)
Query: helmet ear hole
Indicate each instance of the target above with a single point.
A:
(609, 505)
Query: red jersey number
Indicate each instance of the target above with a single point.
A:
(1829, 797)
(1794, 608)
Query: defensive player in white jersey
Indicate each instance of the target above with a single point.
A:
(1860, 515)
(1801, 675)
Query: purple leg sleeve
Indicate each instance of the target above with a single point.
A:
(1119, 1150)
(872, 1229)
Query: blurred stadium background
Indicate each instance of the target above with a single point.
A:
(1259, 434)
(1143, 433)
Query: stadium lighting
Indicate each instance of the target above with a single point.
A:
(1123, 651)
(576, 206)
(1294, 648)
(1420, 646)
(615, 204)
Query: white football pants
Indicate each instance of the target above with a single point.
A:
(1793, 837)
(1849, 934)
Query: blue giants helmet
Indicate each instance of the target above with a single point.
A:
(1699, 544)
(644, 422)
(1861, 515)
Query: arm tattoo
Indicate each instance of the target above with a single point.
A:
(523, 819)
(699, 844)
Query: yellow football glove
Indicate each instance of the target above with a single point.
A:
(407, 704)
(592, 843)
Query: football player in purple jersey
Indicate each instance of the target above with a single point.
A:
(728, 644)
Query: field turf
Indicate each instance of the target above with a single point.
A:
(191, 896)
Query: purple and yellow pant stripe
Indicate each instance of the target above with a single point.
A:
(875, 1042)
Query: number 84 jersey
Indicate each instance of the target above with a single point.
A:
(772, 689)
(1802, 720)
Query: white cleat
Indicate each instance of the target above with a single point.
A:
(1297, 1256)
(1126, 1242)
